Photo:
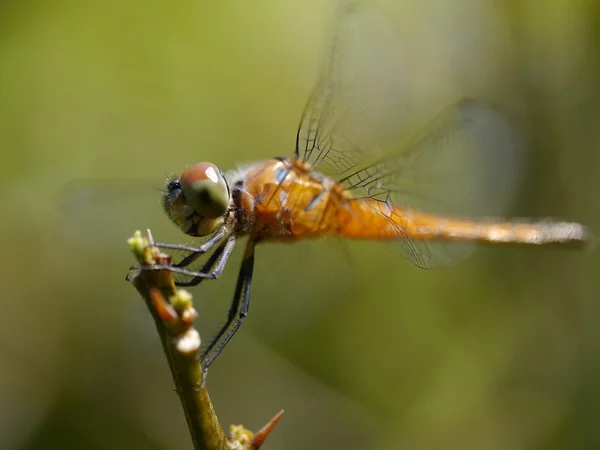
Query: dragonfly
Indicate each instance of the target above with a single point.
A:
(354, 174)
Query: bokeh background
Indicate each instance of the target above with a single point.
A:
(99, 100)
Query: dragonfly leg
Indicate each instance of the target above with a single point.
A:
(219, 258)
(196, 252)
(240, 297)
(215, 264)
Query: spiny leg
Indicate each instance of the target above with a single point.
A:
(195, 273)
(241, 295)
(214, 265)
(196, 252)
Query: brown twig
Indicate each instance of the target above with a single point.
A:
(174, 315)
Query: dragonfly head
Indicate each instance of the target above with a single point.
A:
(198, 200)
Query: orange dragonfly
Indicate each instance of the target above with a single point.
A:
(352, 176)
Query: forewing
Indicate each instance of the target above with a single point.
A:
(361, 99)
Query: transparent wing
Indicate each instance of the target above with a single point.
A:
(360, 88)
(390, 67)
(374, 91)
(374, 85)
(463, 164)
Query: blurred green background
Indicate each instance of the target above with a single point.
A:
(99, 100)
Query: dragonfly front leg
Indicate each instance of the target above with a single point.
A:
(214, 266)
(240, 297)
(196, 252)
(211, 269)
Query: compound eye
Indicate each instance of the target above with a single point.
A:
(205, 189)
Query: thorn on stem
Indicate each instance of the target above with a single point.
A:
(261, 435)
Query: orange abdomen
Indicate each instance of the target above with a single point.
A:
(370, 219)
